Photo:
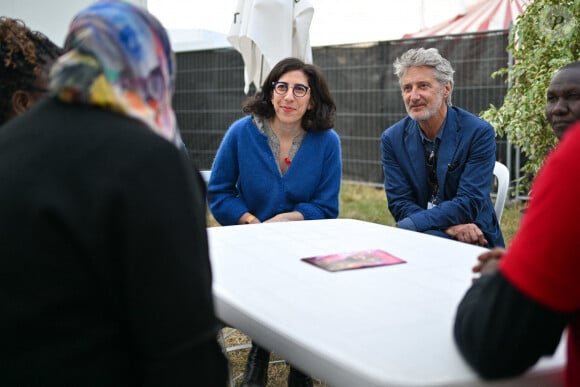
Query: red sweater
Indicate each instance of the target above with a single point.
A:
(543, 260)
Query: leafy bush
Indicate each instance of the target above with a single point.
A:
(545, 37)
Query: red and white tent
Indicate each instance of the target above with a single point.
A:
(485, 15)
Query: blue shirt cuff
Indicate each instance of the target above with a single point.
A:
(407, 224)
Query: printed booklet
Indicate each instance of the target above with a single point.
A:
(353, 260)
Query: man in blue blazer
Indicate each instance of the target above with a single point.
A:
(438, 161)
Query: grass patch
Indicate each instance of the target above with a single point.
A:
(369, 203)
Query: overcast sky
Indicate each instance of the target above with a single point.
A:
(334, 21)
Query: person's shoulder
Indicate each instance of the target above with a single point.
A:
(328, 134)
(570, 142)
(90, 127)
(465, 120)
(398, 127)
(91, 135)
(242, 124)
(572, 134)
(244, 121)
(464, 115)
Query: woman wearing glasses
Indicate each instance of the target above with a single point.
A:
(280, 163)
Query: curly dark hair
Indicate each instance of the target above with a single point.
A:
(320, 117)
(24, 56)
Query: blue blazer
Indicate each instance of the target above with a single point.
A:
(465, 162)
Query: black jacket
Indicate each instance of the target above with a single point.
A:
(104, 271)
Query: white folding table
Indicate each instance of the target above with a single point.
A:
(381, 326)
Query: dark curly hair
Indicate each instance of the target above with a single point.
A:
(320, 117)
(24, 56)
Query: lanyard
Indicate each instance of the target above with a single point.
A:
(431, 167)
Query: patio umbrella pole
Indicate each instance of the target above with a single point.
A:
(261, 72)
(270, 30)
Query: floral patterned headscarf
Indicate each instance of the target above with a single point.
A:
(119, 58)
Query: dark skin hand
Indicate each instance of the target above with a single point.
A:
(488, 261)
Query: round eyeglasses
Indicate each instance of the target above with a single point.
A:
(299, 90)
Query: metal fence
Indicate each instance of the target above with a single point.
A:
(209, 93)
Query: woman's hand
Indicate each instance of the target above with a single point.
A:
(286, 217)
(248, 218)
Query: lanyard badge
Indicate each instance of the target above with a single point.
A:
(431, 164)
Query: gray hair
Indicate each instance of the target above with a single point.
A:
(426, 57)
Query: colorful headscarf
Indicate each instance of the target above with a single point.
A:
(119, 58)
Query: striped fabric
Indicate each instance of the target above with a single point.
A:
(485, 15)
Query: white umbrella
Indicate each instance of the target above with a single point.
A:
(267, 31)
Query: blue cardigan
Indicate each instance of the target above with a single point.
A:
(465, 163)
(245, 176)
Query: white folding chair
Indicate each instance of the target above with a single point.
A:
(502, 174)
(223, 334)
(206, 173)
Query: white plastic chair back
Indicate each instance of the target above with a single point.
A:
(502, 173)
(205, 174)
